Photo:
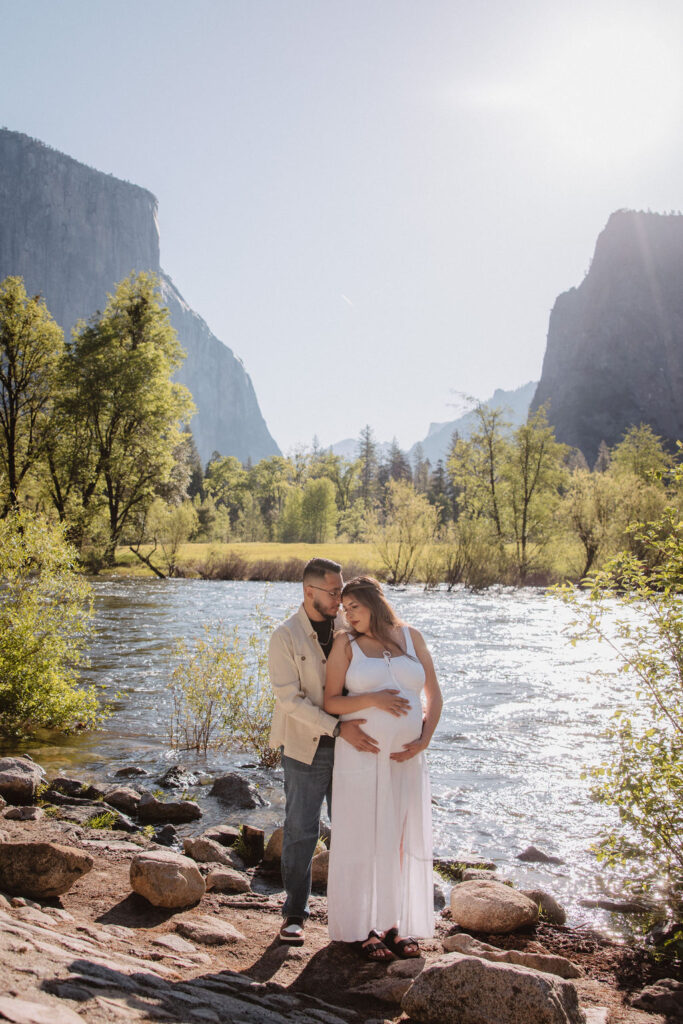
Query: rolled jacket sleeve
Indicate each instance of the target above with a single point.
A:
(290, 688)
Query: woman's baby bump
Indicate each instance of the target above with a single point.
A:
(392, 731)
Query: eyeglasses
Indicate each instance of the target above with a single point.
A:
(333, 593)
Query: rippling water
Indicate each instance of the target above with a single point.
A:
(520, 717)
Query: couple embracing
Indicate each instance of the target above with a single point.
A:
(357, 702)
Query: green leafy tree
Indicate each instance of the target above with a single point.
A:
(533, 473)
(45, 611)
(367, 457)
(318, 511)
(643, 777)
(589, 508)
(475, 467)
(409, 527)
(227, 482)
(31, 346)
(641, 453)
(290, 524)
(119, 394)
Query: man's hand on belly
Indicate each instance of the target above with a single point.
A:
(353, 734)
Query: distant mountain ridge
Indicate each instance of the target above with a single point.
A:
(614, 354)
(437, 443)
(73, 233)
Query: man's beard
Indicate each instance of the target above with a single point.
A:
(321, 611)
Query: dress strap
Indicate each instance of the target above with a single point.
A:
(410, 646)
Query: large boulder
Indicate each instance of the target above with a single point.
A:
(206, 851)
(26, 813)
(226, 835)
(41, 870)
(178, 777)
(153, 811)
(19, 780)
(547, 962)
(486, 906)
(458, 989)
(166, 879)
(236, 791)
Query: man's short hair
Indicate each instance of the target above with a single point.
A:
(317, 567)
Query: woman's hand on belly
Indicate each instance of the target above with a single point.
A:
(391, 701)
(411, 749)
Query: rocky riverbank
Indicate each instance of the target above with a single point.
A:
(80, 942)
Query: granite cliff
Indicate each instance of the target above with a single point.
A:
(72, 233)
(614, 355)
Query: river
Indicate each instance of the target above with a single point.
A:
(521, 719)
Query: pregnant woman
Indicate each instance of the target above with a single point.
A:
(380, 887)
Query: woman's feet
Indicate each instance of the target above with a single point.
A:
(375, 950)
(406, 948)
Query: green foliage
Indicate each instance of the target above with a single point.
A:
(643, 779)
(221, 691)
(409, 527)
(169, 527)
(318, 511)
(45, 611)
(31, 345)
(120, 413)
(106, 820)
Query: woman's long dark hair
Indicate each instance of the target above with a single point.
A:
(368, 592)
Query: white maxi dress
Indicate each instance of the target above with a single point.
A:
(380, 870)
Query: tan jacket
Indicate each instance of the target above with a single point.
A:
(297, 675)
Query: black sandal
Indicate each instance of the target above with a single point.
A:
(398, 946)
(375, 952)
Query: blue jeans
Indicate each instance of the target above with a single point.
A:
(306, 786)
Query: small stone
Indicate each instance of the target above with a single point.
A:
(19, 901)
(252, 843)
(166, 836)
(206, 851)
(273, 851)
(439, 897)
(551, 910)
(19, 780)
(124, 798)
(533, 855)
(236, 791)
(319, 869)
(548, 962)
(166, 879)
(24, 814)
(226, 835)
(491, 907)
(174, 942)
(227, 880)
(4, 836)
(178, 777)
(20, 1011)
(42, 870)
(212, 931)
(474, 874)
(154, 811)
(67, 787)
(664, 996)
(4, 902)
(130, 772)
(3, 802)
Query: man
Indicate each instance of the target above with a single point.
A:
(305, 733)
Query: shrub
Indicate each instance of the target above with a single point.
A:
(221, 691)
(643, 778)
(45, 612)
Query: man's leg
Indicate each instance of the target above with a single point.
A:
(306, 786)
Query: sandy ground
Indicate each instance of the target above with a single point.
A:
(118, 929)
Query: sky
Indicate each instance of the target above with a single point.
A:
(374, 203)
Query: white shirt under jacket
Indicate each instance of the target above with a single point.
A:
(297, 675)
